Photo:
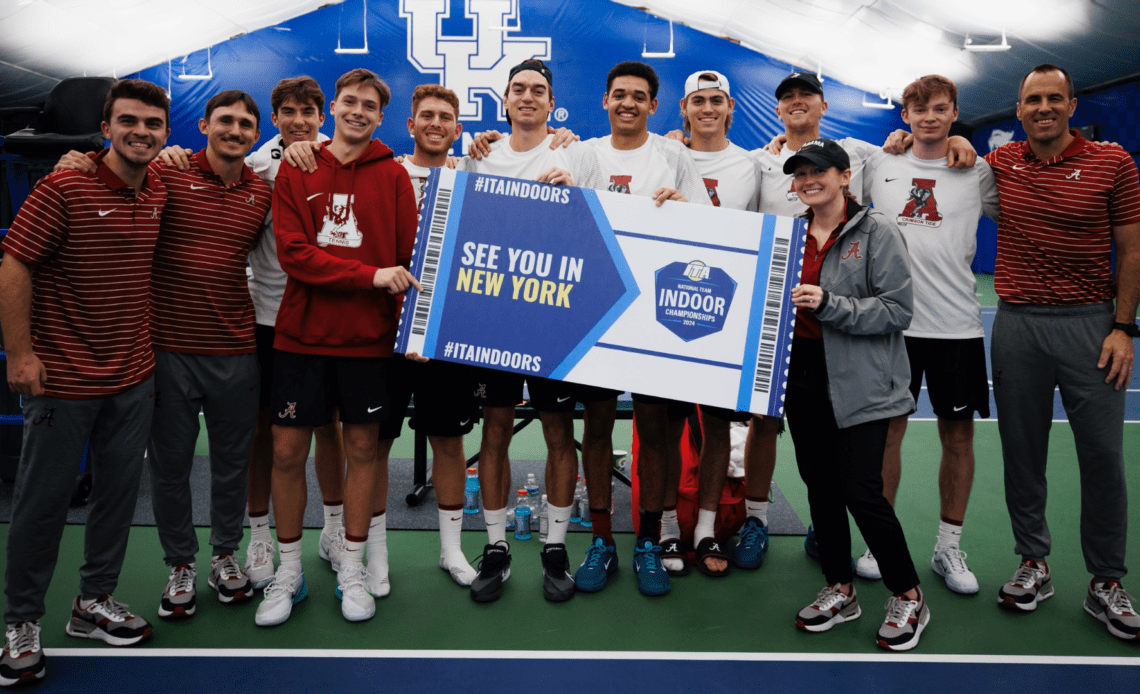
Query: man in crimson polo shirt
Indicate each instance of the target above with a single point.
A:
(202, 322)
(1065, 202)
(73, 306)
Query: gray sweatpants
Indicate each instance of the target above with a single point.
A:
(225, 388)
(55, 432)
(1034, 349)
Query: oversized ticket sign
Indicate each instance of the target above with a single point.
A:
(681, 301)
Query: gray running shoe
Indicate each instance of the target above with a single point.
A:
(1030, 585)
(1111, 604)
(23, 659)
(108, 620)
(227, 578)
(904, 624)
(831, 607)
(179, 598)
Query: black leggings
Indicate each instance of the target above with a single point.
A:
(843, 471)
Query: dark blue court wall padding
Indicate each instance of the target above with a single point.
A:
(580, 40)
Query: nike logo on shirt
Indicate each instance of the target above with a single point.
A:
(959, 409)
(888, 180)
(373, 409)
(104, 213)
(194, 187)
(563, 399)
(313, 196)
(464, 422)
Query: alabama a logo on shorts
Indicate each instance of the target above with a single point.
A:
(339, 226)
(921, 208)
(710, 187)
(476, 65)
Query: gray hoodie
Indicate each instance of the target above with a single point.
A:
(868, 302)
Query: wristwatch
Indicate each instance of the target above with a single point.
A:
(1130, 329)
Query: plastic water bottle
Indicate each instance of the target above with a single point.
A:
(611, 495)
(576, 506)
(584, 508)
(471, 492)
(522, 516)
(544, 520)
(532, 497)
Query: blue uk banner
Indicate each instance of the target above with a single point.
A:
(681, 301)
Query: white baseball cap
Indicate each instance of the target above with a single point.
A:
(706, 79)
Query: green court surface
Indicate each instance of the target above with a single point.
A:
(745, 612)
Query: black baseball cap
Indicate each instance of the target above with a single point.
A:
(803, 79)
(532, 64)
(823, 153)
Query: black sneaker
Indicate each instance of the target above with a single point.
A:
(494, 570)
(557, 583)
(23, 659)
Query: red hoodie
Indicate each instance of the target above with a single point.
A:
(335, 227)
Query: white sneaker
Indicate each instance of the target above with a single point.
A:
(950, 563)
(259, 562)
(378, 583)
(461, 572)
(331, 547)
(867, 566)
(285, 590)
(356, 604)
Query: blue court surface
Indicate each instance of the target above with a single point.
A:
(476, 672)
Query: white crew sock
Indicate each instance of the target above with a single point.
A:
(758, 509)
(451, 550)
(670, 529)
(289, 554)
(259, 528)
(558, 523)
(353, 554)
(334, 518)
(496, 525)
(378, 545)
(949, 535)
(706, 522)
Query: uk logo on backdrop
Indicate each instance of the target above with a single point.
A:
(473, 66)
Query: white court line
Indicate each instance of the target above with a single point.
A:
(590, 655)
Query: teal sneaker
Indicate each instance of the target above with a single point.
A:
(600, 566)
(652, 578)
(753, 544)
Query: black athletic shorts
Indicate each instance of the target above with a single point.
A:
(263, 336)
(677, 410)
(955, 372)
(443, 398)
(549, 395)
(366, 390)
(496, 388)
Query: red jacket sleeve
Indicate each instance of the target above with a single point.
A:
(297, 250)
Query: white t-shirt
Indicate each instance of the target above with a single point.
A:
(658, 163)
(731, 177)
(937, 209)
(267, 279)
(419, 176)
(579, 160)
(776, 193)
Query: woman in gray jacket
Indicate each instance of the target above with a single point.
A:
(848, 375)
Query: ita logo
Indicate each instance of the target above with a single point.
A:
(693, 299)
(475, 65)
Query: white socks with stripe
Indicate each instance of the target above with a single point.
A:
(758, 509)
(559, 522)
(334, 518)
(451, 557)
(949, 535)
(259, 528)
(670, 528)
(290, 555)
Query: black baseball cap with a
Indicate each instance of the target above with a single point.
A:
(823, 153)
(800, 79)
(533, 64)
